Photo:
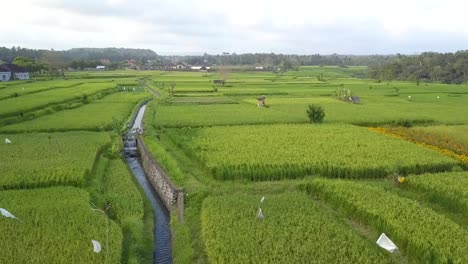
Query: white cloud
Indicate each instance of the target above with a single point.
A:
(187, 26)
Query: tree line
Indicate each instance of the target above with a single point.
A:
(451, 68)
(82, 58)
(285, 60)
(426, 67)
(38, 60)
(87, 54)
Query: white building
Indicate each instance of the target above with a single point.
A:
(10, 72)
(200, 68)
(100, 67)
(5, 76)
(259, 68)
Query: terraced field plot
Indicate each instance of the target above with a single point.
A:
(41, 159)
(426, 235)
(56, 226)
(100, 115)
(448, 189)
(289, 151)
(227, 153)
(216, 114)
(33, 87)
(14, 106)
(294, 230)
(448, 140)
(250, 146)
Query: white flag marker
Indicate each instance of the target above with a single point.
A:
(7, 214)
(263, 199)
(96, 245)
(260, 214)
(7, 141)
(385, 243)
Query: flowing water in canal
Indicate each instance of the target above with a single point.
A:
(162, 231)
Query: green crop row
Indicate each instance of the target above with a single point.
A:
(449, 189)
(293, 230)
(126, 205)
(35, 87)
(420, 232)
(105, 114)
(30, 102)
(220, 114)
(57, 226)
(121, 191)
(277, 152)
(42, 159)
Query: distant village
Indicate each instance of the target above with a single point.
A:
(10, 71)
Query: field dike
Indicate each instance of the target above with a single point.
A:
(162, 194)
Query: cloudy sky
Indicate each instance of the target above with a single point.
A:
(215, 26)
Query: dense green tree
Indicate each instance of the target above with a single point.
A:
(29, 64)
(315, 113)
(429, 67)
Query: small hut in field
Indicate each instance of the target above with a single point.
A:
(219, 82)
(356, 99)
(261, 101)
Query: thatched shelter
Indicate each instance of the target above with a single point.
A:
(261, 101)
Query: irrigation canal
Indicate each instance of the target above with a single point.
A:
(162, 231)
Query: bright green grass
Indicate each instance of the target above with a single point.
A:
(294, 230)
(99, 115)
(42, 159)
(202, 100)
(420, 232)
(109, 74)
(225, 114)
(34, 87)
(14, 106)
(294, 101)
(57, 226)
(381, 110)
(374, 110)
(288, 151)
(330, 71)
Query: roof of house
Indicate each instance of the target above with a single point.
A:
(11, 68)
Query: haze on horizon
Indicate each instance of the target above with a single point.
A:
(242, 26)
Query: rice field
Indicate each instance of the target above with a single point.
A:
(47, 159)
(424, 234)
(56, 225)
(99, 115)
(30, 102)
(276, 152)
(293, 230)
(227, 153)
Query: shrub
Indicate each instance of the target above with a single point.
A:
(315, 113)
